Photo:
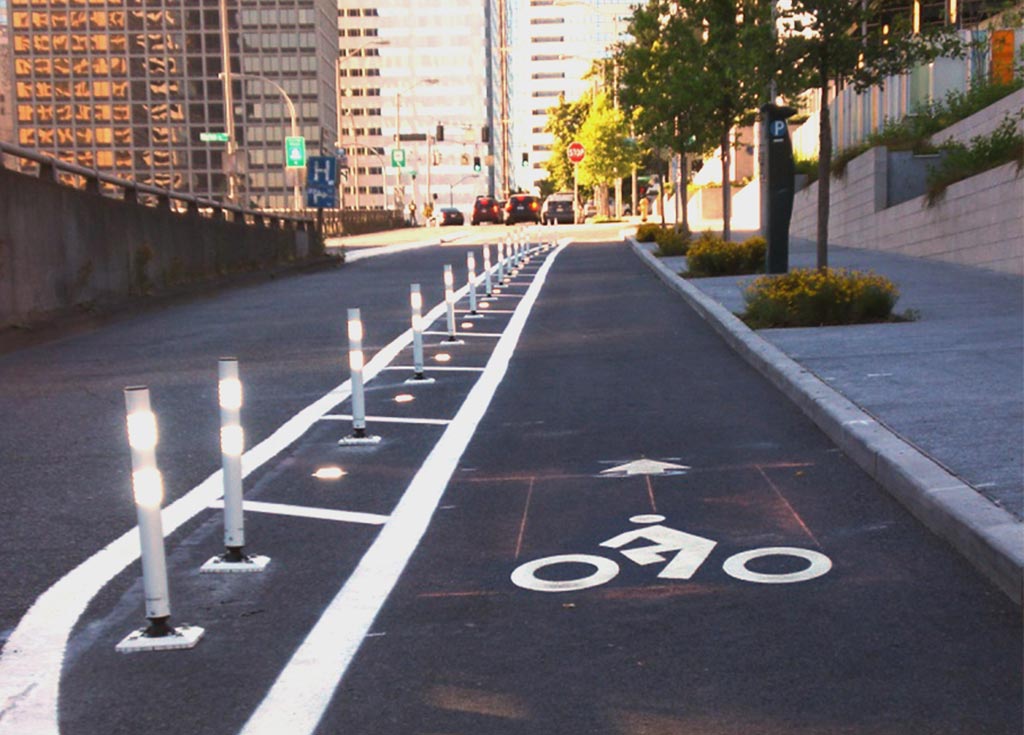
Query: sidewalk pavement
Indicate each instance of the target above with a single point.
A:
(932, 409)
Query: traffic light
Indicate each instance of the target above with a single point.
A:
(485, 134)
(526, 160)
(440, 133)
(476, 163)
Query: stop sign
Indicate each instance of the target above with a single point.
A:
(576, 151)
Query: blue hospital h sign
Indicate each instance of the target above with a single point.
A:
(322, 171)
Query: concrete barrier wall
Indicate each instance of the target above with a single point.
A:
(978, 222)
(61, 248)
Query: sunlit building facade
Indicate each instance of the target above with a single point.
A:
(6, 91)
(130, 87)
(554, 44)
(416, 69)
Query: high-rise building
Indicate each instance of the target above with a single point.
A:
(414, 71)
(554, 45)
(6, 108)
(131, 87)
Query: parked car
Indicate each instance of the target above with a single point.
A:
(557, 209)
(486, 209)
(452, 216)
(522, 208)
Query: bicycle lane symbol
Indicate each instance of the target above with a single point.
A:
(683, 554)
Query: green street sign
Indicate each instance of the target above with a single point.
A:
(398, 158)
(214, 137)
(295, 151)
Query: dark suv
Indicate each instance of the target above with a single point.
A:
(522, 208)
(486, 209)
(558, 209)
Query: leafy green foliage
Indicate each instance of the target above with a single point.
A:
(713, 256)
(671, 242)
(1004, 145)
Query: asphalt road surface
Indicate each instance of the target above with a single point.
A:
(597, 519)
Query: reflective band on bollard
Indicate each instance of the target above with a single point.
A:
(487, 270)
(416, 304)
(355, 363)
(471, 278)
(232, 446)
(449, 300)
(148, 489)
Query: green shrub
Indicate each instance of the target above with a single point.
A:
(808, 167)
(1004, 145)
(808, 298)
(647, 232)
(671, 242)
(713, 256)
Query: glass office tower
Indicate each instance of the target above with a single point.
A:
(130, 86)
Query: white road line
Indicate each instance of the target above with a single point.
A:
(386, 419)
(438, 368)
(300, 695)
(464, 333)
(31, 660)
(300, 511)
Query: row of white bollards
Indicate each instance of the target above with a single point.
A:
(147, 482)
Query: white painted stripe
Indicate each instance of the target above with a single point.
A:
(300, 511)
(438, 368)
(300, 695)
(31, 660)
(465, 333)
(386, 419)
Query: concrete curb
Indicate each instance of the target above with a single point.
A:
(986, 535)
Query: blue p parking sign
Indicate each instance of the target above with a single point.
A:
(321, 181)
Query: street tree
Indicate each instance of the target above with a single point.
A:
(696, 70)
(611, 152)
(564, 122)
(830, 44)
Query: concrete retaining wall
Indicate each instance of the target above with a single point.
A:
(62, 248)
(979, 221)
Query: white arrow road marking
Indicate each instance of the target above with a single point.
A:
(31, 660)
(645, 467)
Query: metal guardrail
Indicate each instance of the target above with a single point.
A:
(50, 169)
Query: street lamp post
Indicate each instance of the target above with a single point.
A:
(398, 125)
(297, 189)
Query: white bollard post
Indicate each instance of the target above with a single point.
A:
(148, 489)
(500, 248)
(232, 446)
(355, 363)
(416, 303)
(471, 278)
(487, 270)
(449, 300)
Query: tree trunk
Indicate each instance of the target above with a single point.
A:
(824, 176)
(681, 190)
(726, 185)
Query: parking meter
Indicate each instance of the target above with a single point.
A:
(779, 171)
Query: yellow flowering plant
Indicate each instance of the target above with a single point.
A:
(809, 297)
